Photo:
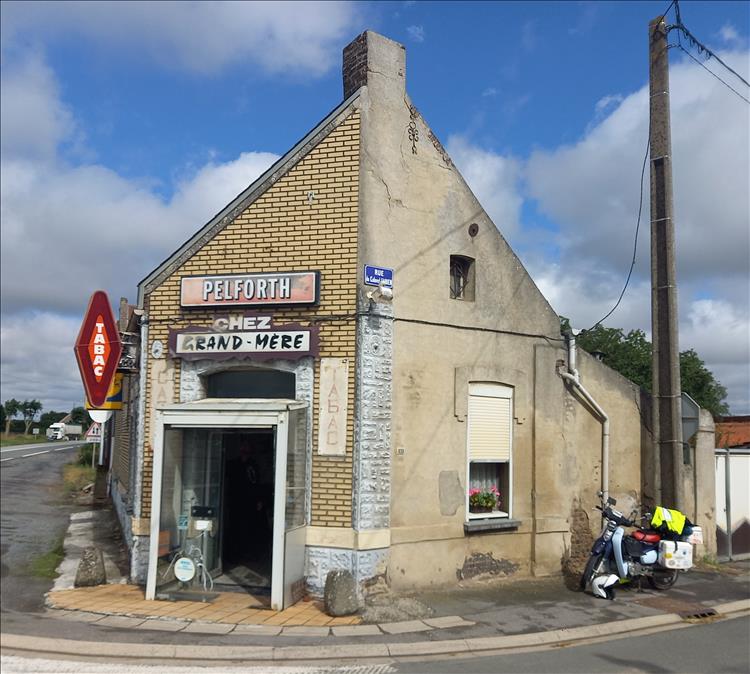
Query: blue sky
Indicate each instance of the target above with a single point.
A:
(126, 125)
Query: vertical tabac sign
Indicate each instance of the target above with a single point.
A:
(334, 393)
(98, 348)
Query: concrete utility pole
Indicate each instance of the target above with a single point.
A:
(666, 388)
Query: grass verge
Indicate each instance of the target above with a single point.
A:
(76, 477)
(44, 566)
(21, 440)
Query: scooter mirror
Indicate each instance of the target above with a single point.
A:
(611, 500)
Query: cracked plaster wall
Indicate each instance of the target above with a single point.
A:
(415, 212)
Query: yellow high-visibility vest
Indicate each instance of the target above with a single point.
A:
(673, 519)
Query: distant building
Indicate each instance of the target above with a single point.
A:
(331, 364)
(733, 432)
(733, 486)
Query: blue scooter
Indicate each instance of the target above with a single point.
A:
(617, 557)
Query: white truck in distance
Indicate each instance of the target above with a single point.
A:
(61, 431)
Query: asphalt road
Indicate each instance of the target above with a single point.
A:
(34, 513)
(719, 648)
(707, 648)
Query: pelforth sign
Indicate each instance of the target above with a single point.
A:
(98, 348)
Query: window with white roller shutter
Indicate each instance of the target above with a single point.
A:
(489, 445)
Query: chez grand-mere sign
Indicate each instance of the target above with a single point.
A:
(248, 336)
(282, 288)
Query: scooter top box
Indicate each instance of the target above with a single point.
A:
(675, 554)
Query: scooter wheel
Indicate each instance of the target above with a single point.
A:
(591, 568)
(663, 580)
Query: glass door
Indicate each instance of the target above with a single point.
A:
(295, 507)
(189, 467)
(190, 516)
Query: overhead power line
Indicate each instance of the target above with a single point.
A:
(708, 70)
(666, 11)
(704, 50)
(635, 241)
(681, 28)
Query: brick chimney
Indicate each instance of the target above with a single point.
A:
(372, 54)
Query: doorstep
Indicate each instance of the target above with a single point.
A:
(226, 608)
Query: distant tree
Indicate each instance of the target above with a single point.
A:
(49, 418)
(79, 416)
(29, 410)
(630, 355)
(12, 407)
(2, 416)
(699, 383)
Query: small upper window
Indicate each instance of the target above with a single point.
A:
(462, 278)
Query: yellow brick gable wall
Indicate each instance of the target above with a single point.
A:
(281, 231)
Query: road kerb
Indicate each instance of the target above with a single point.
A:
(732, 607)
(348, 651)
(428, 648)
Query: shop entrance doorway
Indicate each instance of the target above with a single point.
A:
(229, 500)
(247, 513)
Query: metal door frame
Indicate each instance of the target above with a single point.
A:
(226, 413)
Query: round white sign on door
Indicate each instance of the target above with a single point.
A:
(184, 569)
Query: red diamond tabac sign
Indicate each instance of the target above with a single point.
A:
(98, 348)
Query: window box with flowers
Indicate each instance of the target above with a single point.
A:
(484, 500)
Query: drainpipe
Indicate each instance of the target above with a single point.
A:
(573, 377)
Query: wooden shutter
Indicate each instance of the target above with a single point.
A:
(490, 413)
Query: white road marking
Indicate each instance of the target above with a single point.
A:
(13, 664)
(20, 448)
(14, 449)
(23, 456)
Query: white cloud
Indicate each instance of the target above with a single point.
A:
(38, 360)
(200, 37)
(606, 102)
(586, 20)
(489, 91)
(728, 34)
(416, 33)
(68, 230)
(590, 190)
(717, 329)
(529, 36)
(720, 334)
(34, 120)
(494, 179)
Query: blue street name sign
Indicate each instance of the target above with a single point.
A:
(374, 276)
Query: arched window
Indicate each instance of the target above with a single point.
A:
(251, 384)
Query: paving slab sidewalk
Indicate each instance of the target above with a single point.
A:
(474, 610)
